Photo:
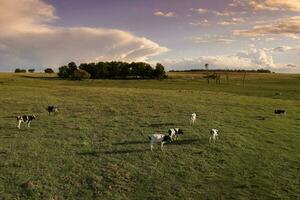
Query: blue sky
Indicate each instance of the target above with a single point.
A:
(179, 34)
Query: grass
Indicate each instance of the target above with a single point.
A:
(96, 147)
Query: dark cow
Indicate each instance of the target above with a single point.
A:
(52, 109)
(280, 112)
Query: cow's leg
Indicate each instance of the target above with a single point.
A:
(28, 124)
(19, 124)
(151, 146)
(162, 145)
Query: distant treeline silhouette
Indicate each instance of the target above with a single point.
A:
(224, 70)
(112, 70)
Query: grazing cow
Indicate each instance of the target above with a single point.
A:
(213, 135)
(193, 118)
(174, 132)
(280, 112)
(156, 138)
(52, 109)
(26, 119)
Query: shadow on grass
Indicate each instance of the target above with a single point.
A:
(186, 142)
(161, 124)
(40, 78)
(3, 152)
(88, 153)
(126, 151)
(176, 142)
(259, 117)
(131, 142)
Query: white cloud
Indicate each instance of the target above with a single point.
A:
(287, 49)
(26, 39)
(200, 23)
(225, 13)
(162, 14)
(289, 27)
(199, 10)
(232, 21)
(213, 39)
(251, 59)
(267, 5)
(275, 5)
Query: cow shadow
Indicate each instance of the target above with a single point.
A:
(126, 151)
(131, 142)
(259, 117)
(186, 142)
(40, 78)
(155, 125)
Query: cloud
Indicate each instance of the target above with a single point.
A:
(289, 27)
(225, 13)
(267, 5)
(275, 5)
(167, 14)
(251, 59)
(199, 10)
(27, 39)
(213, 39)
(287, 49)
(232, 21)
(200, 23)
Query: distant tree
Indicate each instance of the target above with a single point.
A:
(72, 66)
(206, 68)
(48, 70)
(159, 71)
(80, 74)
(63, 72)
(124, 70)
(18, 70)
(31, 70)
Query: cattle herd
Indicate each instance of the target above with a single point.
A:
(172, 135)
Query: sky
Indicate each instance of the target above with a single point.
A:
(226, 34)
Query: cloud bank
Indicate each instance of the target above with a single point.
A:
(27, 39)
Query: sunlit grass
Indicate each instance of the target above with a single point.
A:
(96, 146)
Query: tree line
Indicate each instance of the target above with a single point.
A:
(47, 70)
(112, 70)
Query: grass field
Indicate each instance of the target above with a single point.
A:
(96, 147)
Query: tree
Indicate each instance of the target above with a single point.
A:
(18, 70)
(207, 75)
(63, 72)
(80, 74)
(48, 70)
(159, 71)
(72, 67)
(31, 70)
(206, 66)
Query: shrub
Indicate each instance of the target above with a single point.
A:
(80, 74)
(49, 70)
(18, 70)
(31, 70)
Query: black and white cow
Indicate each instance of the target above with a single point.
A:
(214, 135)
(159, 138)
(280, 112)
(174, 132)
(26, 119)
(52, 109)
